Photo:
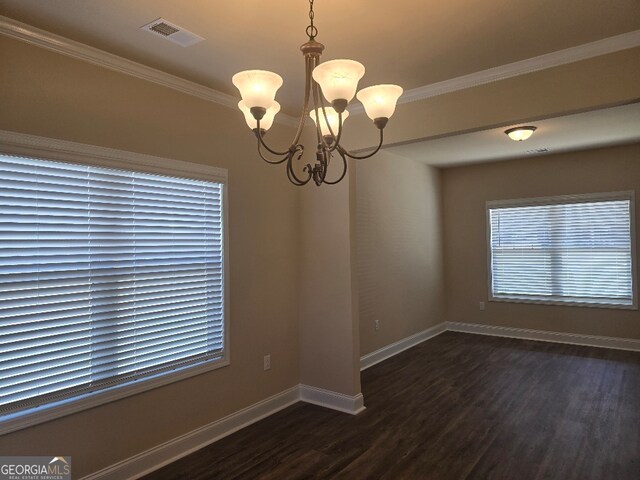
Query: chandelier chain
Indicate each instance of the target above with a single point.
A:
(312, 31)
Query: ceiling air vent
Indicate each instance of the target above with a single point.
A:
(538, 150)
(170, 31)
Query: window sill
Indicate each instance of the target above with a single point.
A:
(562, 302)
(33, 416)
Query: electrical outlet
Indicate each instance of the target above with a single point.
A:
(376, 325)
(267, 362)
(482, 306)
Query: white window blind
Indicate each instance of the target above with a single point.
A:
(106, 276)
(576, 249)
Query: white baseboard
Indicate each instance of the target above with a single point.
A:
(333, 400)
(161, 455)
(546, 336)
(378, 356)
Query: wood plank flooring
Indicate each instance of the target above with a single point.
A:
(458, 406)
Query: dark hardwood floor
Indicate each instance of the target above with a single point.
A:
(458, 406)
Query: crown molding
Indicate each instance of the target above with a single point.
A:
(35, 36)
(534, 64)
(522, 67)
(56, 43)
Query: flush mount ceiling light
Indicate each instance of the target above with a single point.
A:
(519, 134)
(336, 81)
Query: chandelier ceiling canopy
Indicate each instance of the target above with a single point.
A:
(334, 82)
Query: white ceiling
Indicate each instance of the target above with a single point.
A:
(598, 128)
(408, 42)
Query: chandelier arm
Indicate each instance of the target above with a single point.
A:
(259, 134)
(344, 168)
(293, 181)
(324, 165)
(314, 92)
(336, 138)
(305, 109)
(292, 178)
(356, 157)
(272, 162)
(292, 175)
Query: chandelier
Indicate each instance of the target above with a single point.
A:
(338, 81)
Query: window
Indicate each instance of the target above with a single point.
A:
(572, 249)
(108, 278)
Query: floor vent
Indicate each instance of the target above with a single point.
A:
(170, 31)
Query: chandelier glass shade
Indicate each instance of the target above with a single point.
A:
(266, 121)
(330, 120)
(338, 79)
(329, 87)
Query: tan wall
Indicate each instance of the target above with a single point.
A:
(399, 262)
(606, 80)
(465, 191)
(329, 345)
(43, 93)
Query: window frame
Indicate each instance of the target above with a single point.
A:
(563, 200)
(13, 143)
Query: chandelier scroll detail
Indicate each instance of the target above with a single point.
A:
(334, 82)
